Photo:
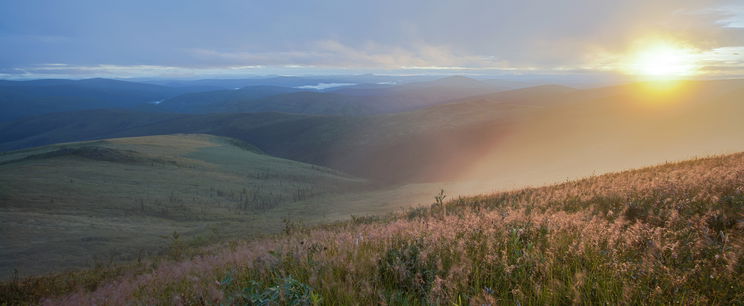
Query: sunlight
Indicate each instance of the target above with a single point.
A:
(662, 61)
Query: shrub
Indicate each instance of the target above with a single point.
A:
(287, 291)
(403, 269)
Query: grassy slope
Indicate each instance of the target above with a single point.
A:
(666, 234)
(116, 199)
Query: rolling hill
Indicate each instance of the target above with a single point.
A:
(120, 199)
(562, 132)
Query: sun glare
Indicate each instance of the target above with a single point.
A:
(662, 60)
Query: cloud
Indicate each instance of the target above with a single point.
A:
(324, 35)
(331, 53)
(58, 70)
(732, 16)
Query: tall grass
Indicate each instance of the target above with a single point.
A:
(662, 235)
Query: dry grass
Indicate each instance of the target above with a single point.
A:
(660, 235)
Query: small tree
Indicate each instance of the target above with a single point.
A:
(176, 247)
(439, 202)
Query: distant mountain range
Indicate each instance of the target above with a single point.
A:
(19, 99)
(28, 98)
(362, 99)
(293, 81)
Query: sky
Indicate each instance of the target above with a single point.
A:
(190, 39)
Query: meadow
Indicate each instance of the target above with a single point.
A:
(669, 234)
(123, 199)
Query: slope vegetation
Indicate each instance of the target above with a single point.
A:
(668, 234)
(120, 199)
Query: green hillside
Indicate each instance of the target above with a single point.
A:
(120, 199)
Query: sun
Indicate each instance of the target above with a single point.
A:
(662, 60)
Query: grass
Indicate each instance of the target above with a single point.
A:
(670, 234)
(120, 199)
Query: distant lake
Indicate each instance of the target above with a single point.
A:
(323, 86)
